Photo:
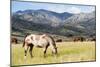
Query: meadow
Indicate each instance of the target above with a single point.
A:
(67, 52)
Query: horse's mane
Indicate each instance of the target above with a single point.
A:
(53, 41)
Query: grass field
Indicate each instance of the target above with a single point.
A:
(67, 52)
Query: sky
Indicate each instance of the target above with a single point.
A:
(59, 8)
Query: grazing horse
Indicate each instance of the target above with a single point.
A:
(79, 39)
(14, 40)
(59, 40)
(40, 41)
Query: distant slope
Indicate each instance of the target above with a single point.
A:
(83, 21)
(54, 23)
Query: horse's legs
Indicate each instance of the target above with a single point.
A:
(26, 49)
(31, 47)
(45, 49)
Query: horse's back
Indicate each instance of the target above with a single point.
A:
(41, 40)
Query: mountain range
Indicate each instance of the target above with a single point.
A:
(45, 21)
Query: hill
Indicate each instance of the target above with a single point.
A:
(62, 24)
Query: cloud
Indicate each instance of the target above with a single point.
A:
(74, 10)
(90, 9)
(57, 8)
(64, 8)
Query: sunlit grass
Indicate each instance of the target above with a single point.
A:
(67, 52)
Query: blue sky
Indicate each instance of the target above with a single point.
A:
(59, 8)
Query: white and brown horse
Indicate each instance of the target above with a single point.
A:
(41, 41)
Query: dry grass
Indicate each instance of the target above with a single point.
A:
(67, 52)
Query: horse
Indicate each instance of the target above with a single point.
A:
(40, 41)
(59, 40)
(81, 39)
(14, 40)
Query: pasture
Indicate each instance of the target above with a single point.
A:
(67, 52)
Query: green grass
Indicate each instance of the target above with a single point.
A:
(67, 52)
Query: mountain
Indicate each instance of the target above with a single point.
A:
(44, 21)
(85, 22)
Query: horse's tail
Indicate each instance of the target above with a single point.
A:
(24, 40)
